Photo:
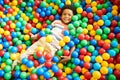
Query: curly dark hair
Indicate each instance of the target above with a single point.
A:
(71, 7)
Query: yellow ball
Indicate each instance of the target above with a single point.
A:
(74, 1)
(82, 77)
(64, 74)
(14, 13)
(85, 31)
(94, 9)
(56, 7)
(30, 69)
(14, 3)
(100, 22)
(12, 25)
(52, 4)
(94, 3)
(68, 2)
(23, 46)
(115, 7)
(79, 10)
(117, 66)
(49, 38)
(23, 67)
(104, 70)
(96, 75)
(26, 37)
(88, 1)
(89, 27)
(97, 37)
(40, 49)
(51, 73)
(66, 39)
(6, 33)
(3, 65)
(35, 20)
(111, 65)
(26, 30)
(22, 15)
(104, 64)
(26, 18)
(60, 65)
(61, 43)
(39, 26)
(107, 41)
(87, 59)
(13, 56)
(105, 56)
(99, 59)
(92, 32)
(42, 78)
(1, 46)
(68, 70)
(114, 12)
(84, 70)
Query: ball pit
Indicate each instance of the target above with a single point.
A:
(94, 30)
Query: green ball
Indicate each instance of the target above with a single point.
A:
(84, 25)
(106, 30)
(20, 19)
(85, 19)
(75, 75)
(79, 30)
(73, 32)
(29, 9)
(31, 1)
(23, 75)
(21, 37)
(74, 17)
(73, 66)
(47, 31)
(83, 42)
(34, 71)
(99, 6)
(8, 61)
(54, 11)
(17, 29)
(43, 4)
(7, 76)
(35, 56)
(77, 4)
(48, 22)
(105, 5)
(58, 2)
(69, 64)
(2, 24)
(91, 48)
(59, 52)
(76, 24)
(15, 40)
(48, 1)
(12, 18)
(7, 68)
(79, 46)
(28, 43)
(17, 67)
(119, 23)
(23, 4)
(116, 50)
(24, 23)
(0, 36)
(54, 78)
(70, 26)
(79, 16)
(104, 36)
(31, 17)
(111, 77)
(18, 42)
(99, 31)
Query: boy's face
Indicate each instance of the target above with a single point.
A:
(67, 16)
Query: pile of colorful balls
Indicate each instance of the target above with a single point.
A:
(95, 31)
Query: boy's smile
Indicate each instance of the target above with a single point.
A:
(66, 16)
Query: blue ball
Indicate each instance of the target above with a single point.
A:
(66, 33)
(116, 18)
(96, 66)
(6, 44)
(5, 19)
(34, 30)
(112, 53)
(6, 55)
(49, 27)
(18, 24)
(66, 47)
(96, 18)
(71, 44)
(109, 9)
(104, 17)
(61, 5)
(93, 58)
(55, 59)
(2, 73)
(76, 61)
(77, 78)
(93, 42)
(41, 60)
(14, 34)
(46, 75)
(49, 8)
(69, 77)
(38, 10)
(14, 49)
(107, 22)
(1, 2)
(117, 30)
(81, 63)
(109, 15)
(95, 53)
(29, 64)
(42, 14)
(57, 17)
(89, 9)
(5, 11)
(114, 43)
(76, 40)
(74, 54)
(17, 74)
(17, 16)
(29, 4)
(110, 70)
(44, 9)
(39, 71)
(42, 33)
(24, 60)
(48, 13)
(54, 68)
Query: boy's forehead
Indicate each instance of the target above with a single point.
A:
(67, 10)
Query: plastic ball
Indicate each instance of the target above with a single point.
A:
(77, 69)
(96, 75)
(111, 77)
(104, 70)
(54, 68)
(33, 77)
(60, 65)
(29, 64)
(79, 10)
(96, 66)
(49, 38)
(23, 75)
(7, 76)
(66, 39)
(99, 59)
(61, 43)
(68, 70)
(105, 56)
(87, 59)
(40, 71)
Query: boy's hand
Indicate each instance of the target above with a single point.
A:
(65, 59)
(34, 36)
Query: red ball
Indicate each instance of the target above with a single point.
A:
(44, 25)
(87, 37)
(6, 1)
(11, 30)
(110, 60)
(66, 52)
(101, 51)
(36, 63)
(99, 13)
(28, 26)
(59, 73)
(81, 57)
(118, 58)
(37, 15)
(19, 48)
(9, 38)
(78, 69)
(35, 8)
(40, 19)
(81, 36)
(9, 22)
(37, 2)
(48, 64)
(31, 58)
(96, 27)
(33, 77)
(90, 15)
(10, 10)
(118, 36)
(38, 53)
(1, 53)
(100, 43)
(106, 46)
(51, 18)
(61, 77)
(111, 36)
(59, 11)
(33, 24)
(20, 1)
(117, 73)
(90, 21)
(11, 43)
(87, 75)
(6, 27)
(48, 56)
(114, 23)
(83, 51)
(103, 77)
(84, 14)
(89, 54)
(87, 65)
(104, 10)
